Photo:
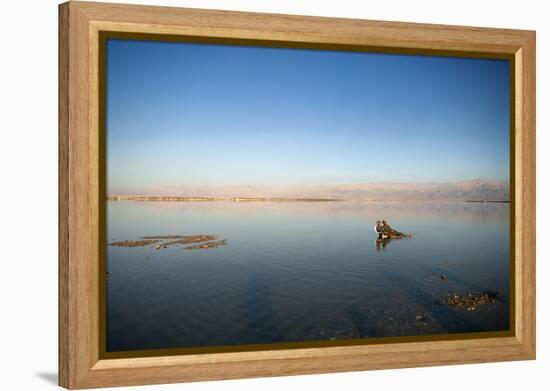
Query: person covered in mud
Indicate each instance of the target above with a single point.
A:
(379, 229)
(387, 229)
(384, 231)
(392, 233)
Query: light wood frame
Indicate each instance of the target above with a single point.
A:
(80, 23)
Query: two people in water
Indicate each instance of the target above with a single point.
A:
(384, 231)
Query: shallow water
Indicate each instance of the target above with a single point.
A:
(302, 272)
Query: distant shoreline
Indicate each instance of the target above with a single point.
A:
(489, 201)
(214, 199)
(143, 198)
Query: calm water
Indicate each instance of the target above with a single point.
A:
(302, 272)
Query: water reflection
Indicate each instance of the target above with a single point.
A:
(301, 272)
(382, 243)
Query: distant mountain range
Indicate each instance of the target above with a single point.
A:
(472, 190)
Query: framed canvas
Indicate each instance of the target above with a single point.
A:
(246, 195)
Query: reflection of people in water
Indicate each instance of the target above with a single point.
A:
(382, 243)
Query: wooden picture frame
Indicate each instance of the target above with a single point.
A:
(81, 24)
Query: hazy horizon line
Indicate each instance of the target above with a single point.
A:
(476, 180)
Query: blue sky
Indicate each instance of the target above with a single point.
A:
(197, 114)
